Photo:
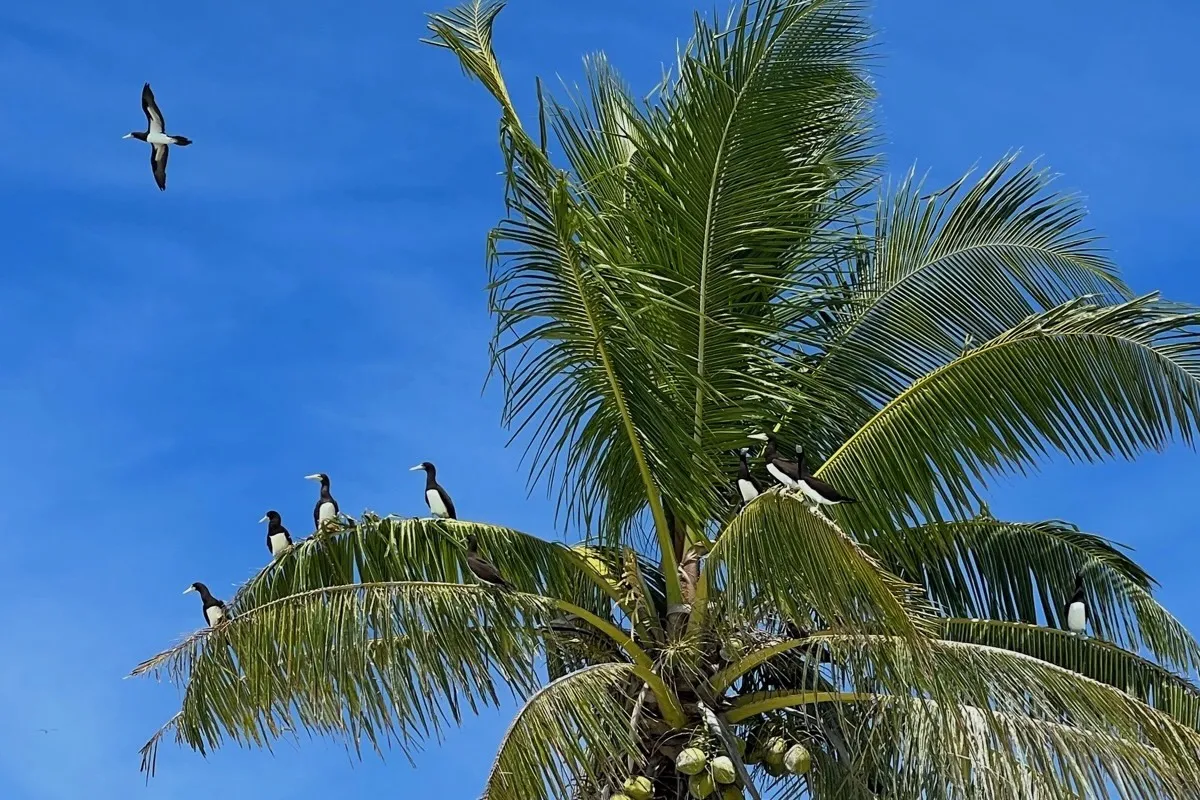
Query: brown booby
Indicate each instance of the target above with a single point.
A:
(156, 136)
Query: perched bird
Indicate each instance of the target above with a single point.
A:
(746, 483)
(214, 610)
(278, 538)
(156, 136)
(326, 507)
(1077, 608)
(815, 489)
(482, 568)
(437, 498)
(785, 471)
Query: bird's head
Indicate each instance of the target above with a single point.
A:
(271, 516)
(472, 543)
(319, 476)
(1079, 580)
(196, 587)
(135, 135)
(424, 465)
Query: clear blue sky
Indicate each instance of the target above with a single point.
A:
(308, 296)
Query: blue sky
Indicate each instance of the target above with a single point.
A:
(175, 363)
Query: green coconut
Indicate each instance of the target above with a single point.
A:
(722, 770)
(701, 785)
(774, 770)
(797, 760)
(732, 793)
(740, 744)
(774, 751)
(638, 788)
(618, 796)
(690, 760)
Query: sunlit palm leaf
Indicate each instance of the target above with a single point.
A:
(1025, 572)
(779, 550)
(390, 549)
(1089, 382)
(386, 663)
(1093, 658)
(553, 742)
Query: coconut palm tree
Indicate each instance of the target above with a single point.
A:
(673, 277)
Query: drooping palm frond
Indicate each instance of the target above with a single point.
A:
(964, 264)
(779, 550)
(1091, 382)
(982, 716)
(554, 740)
(384, 663)
(1025, 572)
(1093, 658)
(391, 549)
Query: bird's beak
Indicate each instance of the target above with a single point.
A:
(127, 136)
(316, 477)
(417, 467)
(264, 519)
(189, 590)
(762, 437)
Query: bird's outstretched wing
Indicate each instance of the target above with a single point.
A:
(153, 114)
(158, 163)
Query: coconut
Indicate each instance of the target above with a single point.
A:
(732, 793)
(722, 770)
(701, 785)
(774, 751)
(638, 788)
(797, 760)
(740, 744)
(774, 770)
(690, 760)
(618, 796)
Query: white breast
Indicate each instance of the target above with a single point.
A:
(747, 489)
(326, 512)
(279, 543)
(779, 476)
(436, 506)
(1076, 617)
(158, 138)
(214, 614)
(812, 495)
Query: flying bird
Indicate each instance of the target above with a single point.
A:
(482, 568)
(156, 136)
(1077, 608)
(326, 507)
(214, 610)
(278, 538)
(437, 498)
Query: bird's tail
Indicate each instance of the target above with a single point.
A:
(182, 141)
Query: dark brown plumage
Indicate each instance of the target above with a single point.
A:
(482, 568)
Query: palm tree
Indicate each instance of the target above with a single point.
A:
(704, 267)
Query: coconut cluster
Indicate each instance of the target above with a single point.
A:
(779, 756)
(712, 778)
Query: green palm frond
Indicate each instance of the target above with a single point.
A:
(1091, 382)
(1093, 658)
(965, 262)
(377, 663)
(389, 549)
(780, 551)
(1025, 572)
(553, 742)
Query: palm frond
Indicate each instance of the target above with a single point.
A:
(1025, 572)
(1091, 382)
(384, 663)
(392, 549)
(1095, 659)
(779, 550)
(553, 742)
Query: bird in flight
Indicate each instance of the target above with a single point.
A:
(156, 136)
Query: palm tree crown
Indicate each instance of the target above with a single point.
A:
(681, 276)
